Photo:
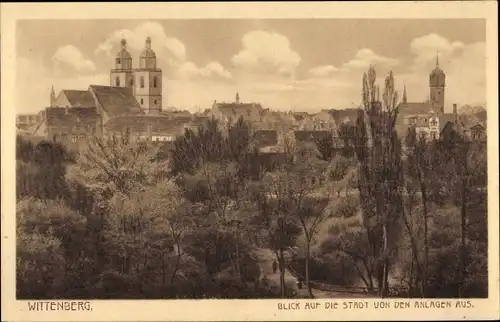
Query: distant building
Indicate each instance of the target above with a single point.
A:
(321, 121)
(229, 113)
(25, 121)
(144, 81)
(428, 118)
(131, 106)
(470, 126)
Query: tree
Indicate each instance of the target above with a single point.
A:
(50, 240)
(378, 151)
(466, 172)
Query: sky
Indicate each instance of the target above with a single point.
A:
(292, 64)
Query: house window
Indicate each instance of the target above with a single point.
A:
(313, 180)
(132, 81)
(74, 138)
(142, 81)
(142, 101)
(434, 135)
(322, 181)
(64, 137)
(155, 101)
(154, 81)
(117, 81)
(82, 137)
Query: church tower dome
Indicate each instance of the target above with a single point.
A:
(437, 76)
(123, 57)
(147, 59)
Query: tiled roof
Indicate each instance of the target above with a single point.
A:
(237, 107)
(300, 115)
(311, 135)
(117, 101)
(66, 118)
(79, 98)
(342, 115)
(414, 108)
(140, 123)
(482, 115)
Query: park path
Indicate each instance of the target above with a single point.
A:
(265, 259)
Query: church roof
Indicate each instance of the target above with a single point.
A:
(228, 107)
(437, 71)
(123, 54)
(79, 98)
(414, 108)
(116, 101)
(148, 52)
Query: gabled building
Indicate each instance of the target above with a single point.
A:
(229, 113)
(321, 121)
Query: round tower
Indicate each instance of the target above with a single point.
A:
(437, 83)
(147, 60)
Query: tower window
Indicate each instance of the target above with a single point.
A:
(154, 81)
(118, 61)
(117, 81)
(142, 81)
(142, 101)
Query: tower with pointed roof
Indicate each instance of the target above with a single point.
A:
(52, 97)
(123, 74)
(405, 98)
(437, 82)
(148, 87)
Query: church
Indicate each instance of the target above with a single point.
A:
(132, 104)
(427, 117)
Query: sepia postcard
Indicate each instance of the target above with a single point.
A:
(252, 161)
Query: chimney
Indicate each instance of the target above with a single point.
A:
(455, 113)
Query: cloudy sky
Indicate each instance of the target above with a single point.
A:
(305, 64)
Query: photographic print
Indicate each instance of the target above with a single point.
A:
(219, 158)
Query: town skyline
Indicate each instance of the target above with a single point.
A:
(268, 61)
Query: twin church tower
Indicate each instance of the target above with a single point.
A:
(145, 81)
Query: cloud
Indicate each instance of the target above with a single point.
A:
(323, 71)
(270, 87)
(169, 48)
(39, 87)
(267, 52)
(366, 57)
(215, 70)
(426, 48)
(464, 66)
(70, 56)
